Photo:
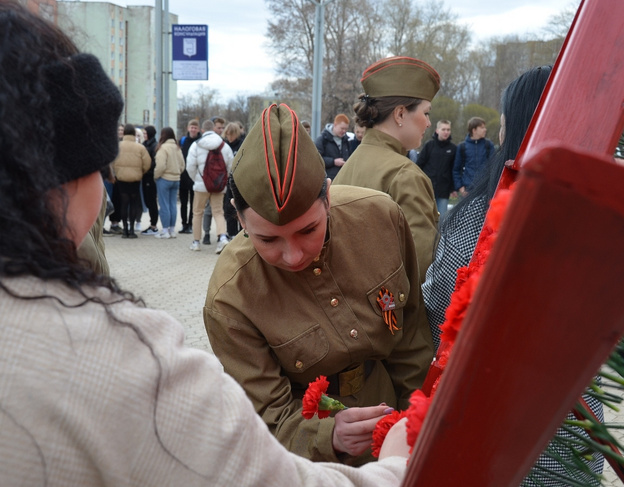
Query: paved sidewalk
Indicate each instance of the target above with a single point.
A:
(169, 276)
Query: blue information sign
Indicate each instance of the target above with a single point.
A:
(190, 52)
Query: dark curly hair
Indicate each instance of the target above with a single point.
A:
(35, 243)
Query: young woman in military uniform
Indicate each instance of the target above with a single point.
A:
(395, 111)
(322, 281)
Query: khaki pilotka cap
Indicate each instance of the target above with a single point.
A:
(401, 76)
(278, 170)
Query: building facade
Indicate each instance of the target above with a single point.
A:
(122, 38)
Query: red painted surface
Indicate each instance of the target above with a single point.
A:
(547, 311)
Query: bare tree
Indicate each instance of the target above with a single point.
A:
(430, 32)
(199, 105)
(559, 24)
(291, 36)
(351, 36)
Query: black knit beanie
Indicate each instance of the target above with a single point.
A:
(85, 107)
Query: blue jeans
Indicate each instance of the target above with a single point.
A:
(167, 200)
(442, 204)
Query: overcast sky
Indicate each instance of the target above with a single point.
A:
(239, 61)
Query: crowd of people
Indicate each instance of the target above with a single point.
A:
(329, 266)
(153, 175)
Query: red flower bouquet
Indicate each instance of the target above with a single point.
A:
(465, 285)
(316, 402)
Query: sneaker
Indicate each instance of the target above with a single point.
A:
(221, 245)
(195, 245)
(124, 233)
(172, 233)
(116, 229)
(186, 229)
(108, 233)
(150, 231)
(162, 234)
(137, 227)
(206, 240)
(131, 234)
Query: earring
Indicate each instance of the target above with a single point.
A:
(400, 125)
(245, 234)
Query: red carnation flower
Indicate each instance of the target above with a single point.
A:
(316, 402)
(419, 405)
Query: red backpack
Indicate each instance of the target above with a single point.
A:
(215, 171)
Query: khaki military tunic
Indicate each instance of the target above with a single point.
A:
(275, 331)
(380, 163)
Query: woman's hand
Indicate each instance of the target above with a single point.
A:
(353, 430)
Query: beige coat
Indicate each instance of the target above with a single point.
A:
(88, 401)
(132, 162)
(275, 331)
(169, 161)
(380, 163)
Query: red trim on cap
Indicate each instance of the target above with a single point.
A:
(294, 141)
(266, 126)
(279, 194)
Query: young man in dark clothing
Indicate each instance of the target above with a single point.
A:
(149, 186)
(436, 160)
(186, 183)
(471, 155)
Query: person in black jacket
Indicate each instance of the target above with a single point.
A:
(186, 183)
(436, 160)
(333, 145)
(149, 186)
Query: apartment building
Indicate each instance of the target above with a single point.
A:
(122, 38)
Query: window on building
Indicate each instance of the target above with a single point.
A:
(121, 41)
(112, 55)
(121, 73)
(120, 57)
(113, 23)
(112, 39)
(121, 25)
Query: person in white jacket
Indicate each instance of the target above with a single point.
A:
(195, 163)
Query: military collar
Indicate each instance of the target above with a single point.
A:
(379, 138)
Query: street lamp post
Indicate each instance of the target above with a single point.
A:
(317, 73)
